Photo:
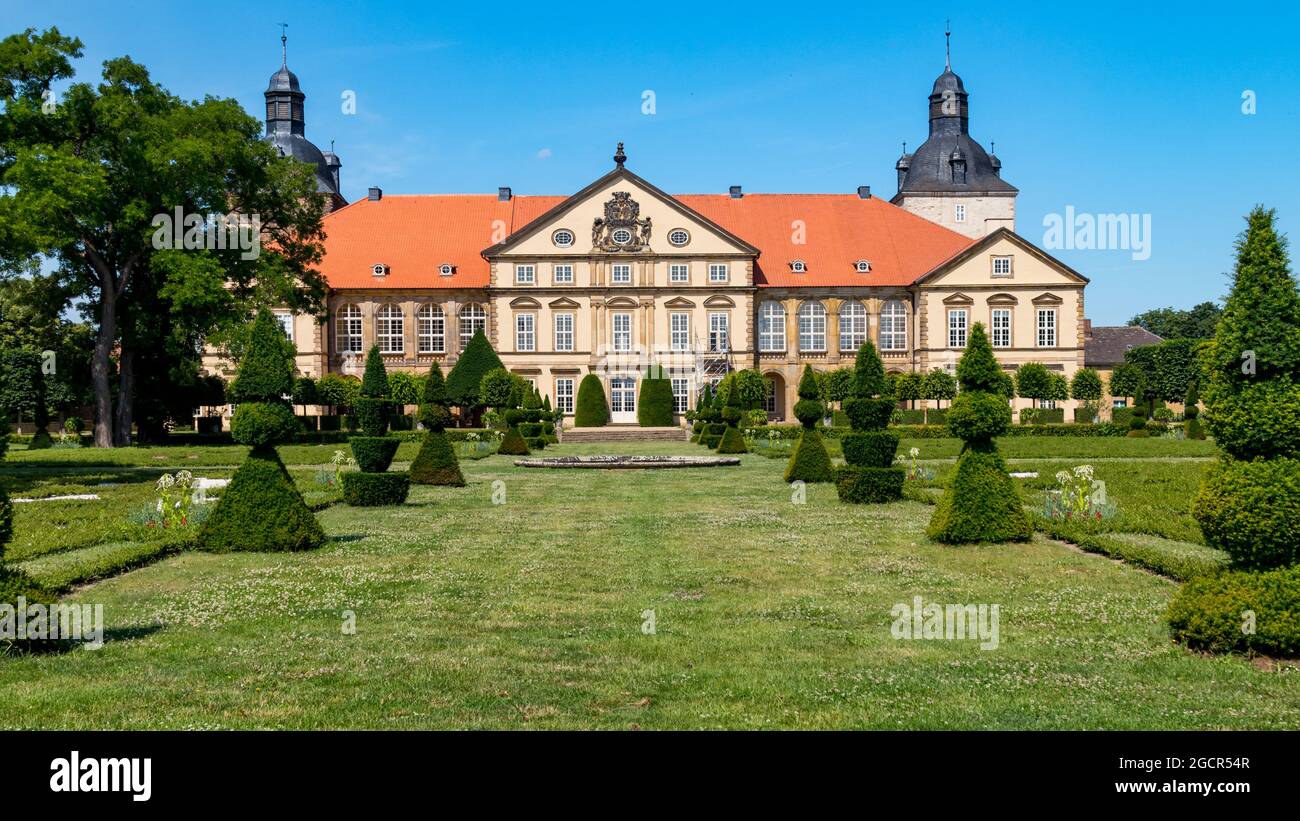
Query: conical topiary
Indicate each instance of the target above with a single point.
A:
(261, 509)
(477, 359)
(981, 504)
(733, 441)
(591, 411)
(436, 463)
(810, 462)
(1249, 503)
(373, 485)
(513, 444)
(869, 450)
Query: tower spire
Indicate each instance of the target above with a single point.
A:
(947, 45)
(284, 45)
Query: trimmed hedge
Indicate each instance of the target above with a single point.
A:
(1210, 612)
(908, 416)
(711, 440)
(868, 414)
(1251, 511)
(263, 423)
(373, 453)
(982, 503)
(869, 485)
(375, 489)
(372, 415)
(874, 448)
(436, 463)
(655, 404)
(591, 410)
(261, 510)
(15, 583)
(513, 444)
(810, 462)
(1121, 417)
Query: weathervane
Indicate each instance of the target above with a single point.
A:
(947, 44)
(284, 44)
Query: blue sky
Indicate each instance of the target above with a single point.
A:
(1106, 108)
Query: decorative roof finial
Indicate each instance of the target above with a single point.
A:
(619, 156)
(284, 45)
(947, 45)
(904, 147)
(993, 147)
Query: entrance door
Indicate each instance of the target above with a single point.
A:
(622, 400)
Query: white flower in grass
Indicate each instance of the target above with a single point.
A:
(914, 452)
(1084, 472)
(1064, 477)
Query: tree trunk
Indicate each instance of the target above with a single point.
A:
(100, 365)
(125, 395)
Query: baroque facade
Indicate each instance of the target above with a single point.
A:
(621, 275)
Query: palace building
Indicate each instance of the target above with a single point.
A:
(621, 274)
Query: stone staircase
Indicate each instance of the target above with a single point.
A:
(623, 433)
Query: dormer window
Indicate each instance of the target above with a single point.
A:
(562, 238)
(446, 269)
(799, 266)
(379, 269)
(862, 266)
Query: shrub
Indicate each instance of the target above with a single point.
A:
(304, 391)
(261, 510)
(375, 489)
(513, 444)
(981, 503)
(476, 360)
(591, 410)
(373, 453)
(655, 404)
(403, 389)
(434, 413)
(869, 485)
(711, 440)
(1033, 381)
(40, 440)
(15, 584)
(266, 369)
(875, 448)
(1208, 612)
(1251, 511)
(938, 385)
(263, 423)
(810, 462)
(1086, 385)
(809, 410)
(868, 414)
(733, 441)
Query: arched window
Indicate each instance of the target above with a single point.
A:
(812, 327)
(853, 325)
(472, 320)
(893, 326)
(771, 327)
(347, 329)
(388, 329)
(432, 327)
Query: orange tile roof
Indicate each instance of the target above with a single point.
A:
(414, 234)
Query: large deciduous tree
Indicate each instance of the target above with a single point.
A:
(91, 177)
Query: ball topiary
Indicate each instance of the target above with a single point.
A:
(434, 411)
(263, 423)
(591, 410)
(810, 462)
(980, 504)
(1207, 613)
(809, 410)
(375, 489)
(875, 448)
(261, 510)
(1251, 511)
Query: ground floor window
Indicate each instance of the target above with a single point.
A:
(681, 395)
(564, 395)
(1119, 403)
(622, 394)
(769, 398)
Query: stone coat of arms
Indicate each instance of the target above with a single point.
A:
(621, 229)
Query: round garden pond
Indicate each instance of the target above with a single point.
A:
(628, 462)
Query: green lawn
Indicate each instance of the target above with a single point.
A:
(530, 613)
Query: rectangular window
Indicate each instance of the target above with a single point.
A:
(681, 395)
(525, 274)
(525, 332)
(1119, 403)
(679, 326)
(432, 327)
(812, 329)
(286, 325)
(564, 332)
(718, 335)
(1001, 322)
(564, 395)
(959, 212)
(771, 327)
(623, 273)
(622, 327)
(562, 274)
(679, 272)
(853, 326)
(718, 272)
(1001, 266)
(1047, 327)
(893, 327)
(388, 329)
(957, 328)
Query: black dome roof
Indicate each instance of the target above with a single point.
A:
(948, 81)
(284, 80)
